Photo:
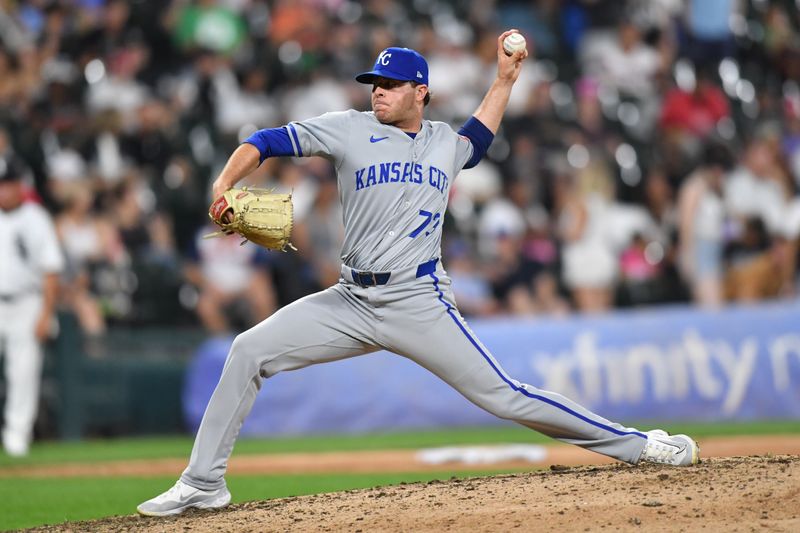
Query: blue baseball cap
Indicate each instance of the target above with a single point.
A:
(398, 64)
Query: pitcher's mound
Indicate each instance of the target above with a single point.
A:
(724, 494)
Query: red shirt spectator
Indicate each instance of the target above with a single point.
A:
(695, 112)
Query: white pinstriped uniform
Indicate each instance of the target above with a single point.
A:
(29, 250)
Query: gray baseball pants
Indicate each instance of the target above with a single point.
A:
(413, 315)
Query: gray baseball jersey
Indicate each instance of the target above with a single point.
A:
(394, 295)
(393, 188)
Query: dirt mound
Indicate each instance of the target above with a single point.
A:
(725, 494)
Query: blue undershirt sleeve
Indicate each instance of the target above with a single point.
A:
(271, 142)
(481, 138)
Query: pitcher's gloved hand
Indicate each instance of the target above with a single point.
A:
(258, 215)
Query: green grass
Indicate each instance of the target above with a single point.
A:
(180, 446)
(28, 502)
(74, 499)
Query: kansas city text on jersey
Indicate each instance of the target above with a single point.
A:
(394, 172)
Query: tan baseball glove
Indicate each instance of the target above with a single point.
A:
(258, 215)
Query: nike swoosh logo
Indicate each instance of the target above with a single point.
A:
(373, 139)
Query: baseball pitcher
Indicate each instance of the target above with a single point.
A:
(394, 170)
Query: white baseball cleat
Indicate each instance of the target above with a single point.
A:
(15, 446)
(181, 497)
(676, 450)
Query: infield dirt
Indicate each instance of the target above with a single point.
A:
(720, 494)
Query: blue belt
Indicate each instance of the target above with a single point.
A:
(371, 279)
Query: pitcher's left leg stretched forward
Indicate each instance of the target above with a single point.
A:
(427, 328)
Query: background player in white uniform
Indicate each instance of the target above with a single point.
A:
(30, 262)
(394, 173)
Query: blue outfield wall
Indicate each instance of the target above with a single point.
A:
(676, 364)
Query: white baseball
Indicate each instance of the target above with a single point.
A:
(513, 42)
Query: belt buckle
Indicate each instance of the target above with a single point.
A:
(364, 278)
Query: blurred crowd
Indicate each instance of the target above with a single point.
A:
(650, 152)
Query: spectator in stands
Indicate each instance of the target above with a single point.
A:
(790, 142)
(660, 202)
(226, 274)
(694, 112)
(589, 263)
(155, 140)
(472, 290)
(191, 23)
(708, 37)
(8, 82)
(539, 246)
(119, 88)
(623, 61)
(320, 233)
(589, 109)
(640, 273)
(701, 226)
(89, 241)
(547, 299)
(145, 232)
(512, 275)
(757, 186)
(791, 152)
(243, 104)
(752, 270)
(104, 152)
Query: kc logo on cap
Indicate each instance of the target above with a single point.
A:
(398, 64)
